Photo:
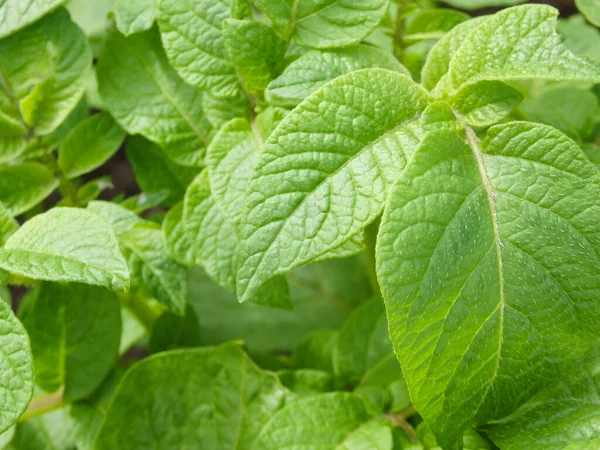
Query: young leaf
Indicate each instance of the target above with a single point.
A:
(15, 14)
(213, 398)
(515, 43)
(16, 368)
(192, 36)
(89, 145)
(431, 24)
(323, 174)
(155, 172)
(23, 186)
(254, 50)
(305, 382)
(316, 24)
(67, 244)
(486, 103)
(152, 269)
(121, 219)
(315, 68)
(133, 16)
(498, 242)
(327, 421)
(43, 69)
(75, 331)
(363, 346)
(162, 107)
(590, 9)
(563, 416)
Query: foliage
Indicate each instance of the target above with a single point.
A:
(361, 224)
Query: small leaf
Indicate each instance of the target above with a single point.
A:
(153, 270)
(305, 382)
(75, 331)
(486, 103)
(325, 421)
(133, 16)
(23, 186)
(515, 43)
(254, 50)
(315, 68)
(67, 244)
(323, 174)
(162, 107)
(431, 24)
(209, 398)
(16, 368)
(16, 14)
(590, 9)
(89, 145)
(335, 23)
(121, 219)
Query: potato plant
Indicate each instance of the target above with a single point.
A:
(357, 225)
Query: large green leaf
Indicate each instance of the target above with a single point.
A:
(16, 368)
(22, 186)
(162, 107)
(325, 24)
(327, 421)
(488, 262)
(213, 398)
(152, 269)
(590, 9)
(15, 14)
(75, 331)
(323, 174)
(565, 416)
(42, 79)
(315, 68)
(89, 145)
(516, 43)
(192, 35)
(67, 244)
(133, 16)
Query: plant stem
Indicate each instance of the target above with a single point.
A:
(43, 404)
(370, 237)
(400, 420)
(399, 30)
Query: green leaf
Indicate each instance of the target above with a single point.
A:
(67, 244)
(471, 439)
(51, 431)
(90, 16)
(162, 107)
(486, 103)
(305, 382)
(89, 145)
(431, 24)
(363, 346)
(219, 111)
(192, 36)
(254, 50)
(152, 269)
(315, 351)
(305, 201)
(8, 225)
(172, 331)
(515, 43)
(16, 368)
(318, 24)
(23, 186)
(498, 242)
(155, 172)
(121, 219)
(590, 9)
(573, 111)
(16, 14)
(477, 4)
(42, 77)
(563, 416)
(213, 398)
(75, 331)
(327, 421)
(315, 68)
(133, 16)
(323, 295)
(580, 37)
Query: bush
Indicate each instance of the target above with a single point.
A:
(361, 224)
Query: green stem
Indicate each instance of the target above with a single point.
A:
(43, 404)
(400, 420)
(399, 30)
(370, 238)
